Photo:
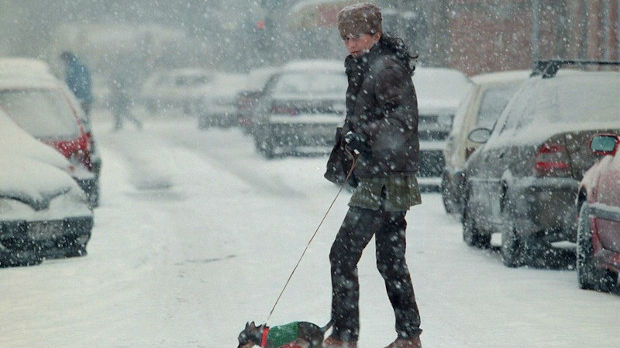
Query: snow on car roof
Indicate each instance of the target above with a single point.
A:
(26, 72)
(12, 65)
(226, 84)
(570, 101)
(440, 88)
(257, 78)
(189, 71)
(315, 64)
(501, 76)
(28, 81)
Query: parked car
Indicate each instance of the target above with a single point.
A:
(301, 108)
(43, 106)
(481, 107)
(219, 101)
(247, 99)
(598, 203)
(43, 212)
(524, 181)
(439, 92)
(176, 89)
(95, 155)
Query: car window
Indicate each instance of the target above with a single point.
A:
(461, 111)
(311, 83)
(514, 111)
(493, 102)
(44, 113)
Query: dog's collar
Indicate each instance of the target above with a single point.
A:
(263, 341)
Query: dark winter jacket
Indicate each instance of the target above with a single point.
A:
(382, 105)
(77, 77)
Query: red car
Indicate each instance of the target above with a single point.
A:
(41, 104)
(598, 236)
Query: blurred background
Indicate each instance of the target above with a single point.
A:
(239, 35)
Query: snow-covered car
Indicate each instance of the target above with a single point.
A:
(523, 182)
(44, 106)
(219, 102)
(247, 99)
(43, 212)
(481, 107)
(182, 88)
(301, 107)
(598, 231)
(439, 92)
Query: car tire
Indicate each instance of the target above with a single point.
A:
(264, 146)
(204, 122)
(11, 260)
(471, 234)
(76, 251)
(447, 195)
(589, 276)
(93, 196)
(512, 249)
(151, 107)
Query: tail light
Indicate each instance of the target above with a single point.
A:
(551, 160)
(279, 109)
(81, 158)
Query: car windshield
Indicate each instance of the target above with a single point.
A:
(310, 84)
(493, 102)
(44, 113)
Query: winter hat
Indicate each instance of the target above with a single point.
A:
(359, 19)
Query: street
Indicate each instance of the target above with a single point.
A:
(197, 233)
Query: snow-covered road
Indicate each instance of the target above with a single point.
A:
(197, 233)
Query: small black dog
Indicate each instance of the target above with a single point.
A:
(298, 334)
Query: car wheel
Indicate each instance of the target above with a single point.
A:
(151, 107)
(9, 259)
(471, 234)
(76, 251)
(268, 149)
(203, 122)
(93, 196)
(264, 146)
(588, 275)
(512, 247)
(447, 195)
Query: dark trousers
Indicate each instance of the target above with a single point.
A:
(357, 229)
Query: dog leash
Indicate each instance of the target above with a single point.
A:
(355, 158)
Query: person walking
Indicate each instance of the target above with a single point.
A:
(121, 100)
(78, 79)
(381, 127)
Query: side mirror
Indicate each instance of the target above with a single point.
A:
(604, 144)
(479, 135)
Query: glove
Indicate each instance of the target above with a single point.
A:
(356, 142)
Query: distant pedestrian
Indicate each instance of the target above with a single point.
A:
(78, 79)
(121, 101)
(381, 126)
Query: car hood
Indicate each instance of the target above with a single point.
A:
(33, 182)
